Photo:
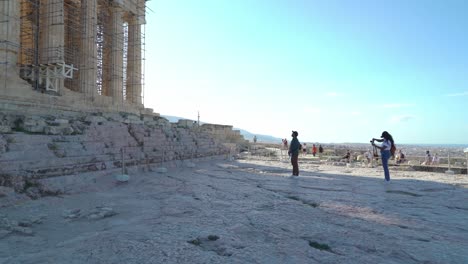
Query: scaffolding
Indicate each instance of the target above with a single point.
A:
(9, 45)
(93, 47)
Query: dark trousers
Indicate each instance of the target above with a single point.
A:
(295, 164)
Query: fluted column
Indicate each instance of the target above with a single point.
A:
(116, 57)
(88, 69)
(9, 39)
(134, 61)
(105, 22)
(52, 35)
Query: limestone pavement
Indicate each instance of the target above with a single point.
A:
(244, 211)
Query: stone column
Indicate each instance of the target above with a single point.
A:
(9, 40)
(134, 61)
(52, 35)
(88, 69)
(105, 21)
(116, 57)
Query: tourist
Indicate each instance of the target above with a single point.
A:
(368, 156)
(304, 149)
(346, 158)
(387, 143)
(435, 159)
(400, 157)
(314, 150)
(320, 151)
(427, 159)
(294, 153)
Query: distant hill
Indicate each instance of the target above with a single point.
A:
(173, 119)
(247, 135)
(260, 138)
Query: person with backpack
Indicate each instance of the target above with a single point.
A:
(294, 148)
(387, 149)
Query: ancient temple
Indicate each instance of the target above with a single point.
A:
(71, 96)
(72, 54)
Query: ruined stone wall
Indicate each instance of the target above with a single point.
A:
(41, 146)
(71, 94)
(224, 133)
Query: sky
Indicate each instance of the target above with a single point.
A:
(334, 70)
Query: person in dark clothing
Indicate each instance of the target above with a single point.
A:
(320, 151)
(347, 157)
(294, 153)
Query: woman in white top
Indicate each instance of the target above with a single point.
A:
(435, 159)
(387, 143)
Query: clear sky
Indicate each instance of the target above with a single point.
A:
(335, 71)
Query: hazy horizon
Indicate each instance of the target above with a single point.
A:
(175, 118)
(332, 70)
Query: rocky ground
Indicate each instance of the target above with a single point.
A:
(244, 211)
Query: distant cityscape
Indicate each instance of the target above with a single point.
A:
(456, 150)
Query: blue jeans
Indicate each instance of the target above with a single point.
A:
(385, 155)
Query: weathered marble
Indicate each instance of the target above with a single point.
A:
(247, 211)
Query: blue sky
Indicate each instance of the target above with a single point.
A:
(336, 71)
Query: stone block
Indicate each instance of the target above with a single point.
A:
(34, 128)
(164, 122)
(59, 122)
(52, 130)
(33, 192)
(95, 119)
(133, 117)
(133, 121)
(5, 129)
(78, 128)
(151, 123)
(67, 130)
(122, 178)
(149, 111)
(147, 118)
(34, 121)
(113, 116)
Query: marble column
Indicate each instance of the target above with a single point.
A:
(52, 32)
(134, 57)
(52, 37)
(9, 40)
(88, 69)
(105, 22)
(116, 56)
